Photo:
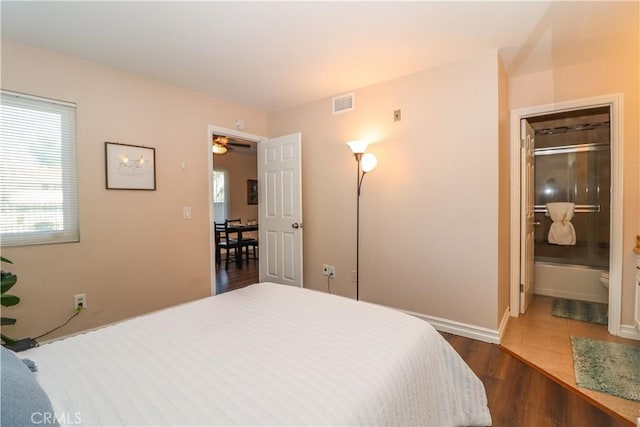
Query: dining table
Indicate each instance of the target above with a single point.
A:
(241, 228)
(238, 229)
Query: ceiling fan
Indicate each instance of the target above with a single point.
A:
(221, 144)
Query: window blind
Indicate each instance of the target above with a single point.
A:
(38, 179)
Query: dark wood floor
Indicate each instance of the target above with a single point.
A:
(236, 277)
(518, 394)
(521, 396)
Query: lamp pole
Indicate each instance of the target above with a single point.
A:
(359, 182)
(364, 163)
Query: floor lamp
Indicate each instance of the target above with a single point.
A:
(366, 163)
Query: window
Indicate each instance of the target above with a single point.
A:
(38, 184)
(219, 195)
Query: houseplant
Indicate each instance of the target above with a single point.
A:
(8, 279)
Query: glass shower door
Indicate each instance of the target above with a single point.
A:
(580, 174)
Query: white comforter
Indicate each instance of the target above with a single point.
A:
(264, 355)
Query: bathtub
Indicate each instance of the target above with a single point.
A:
(569, 281)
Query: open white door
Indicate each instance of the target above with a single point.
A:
(280, 192)
(527, 215)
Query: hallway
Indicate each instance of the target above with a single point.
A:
(544, 341)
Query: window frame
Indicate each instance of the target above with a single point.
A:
(70, 231)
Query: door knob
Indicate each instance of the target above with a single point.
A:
(295, 225)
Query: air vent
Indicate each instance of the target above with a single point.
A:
(343, 103)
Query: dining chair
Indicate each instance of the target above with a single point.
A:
(254, 246)
(224, 241)
(245, 243)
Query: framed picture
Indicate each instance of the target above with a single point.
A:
(252, 192)
(130, 167)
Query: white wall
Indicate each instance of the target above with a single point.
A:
(240, 167)
(429, 212)
(136, 252)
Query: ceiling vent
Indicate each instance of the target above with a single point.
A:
(343, 103)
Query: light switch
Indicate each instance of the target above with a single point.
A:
(186, 212)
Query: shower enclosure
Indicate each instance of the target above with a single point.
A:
(573, 164)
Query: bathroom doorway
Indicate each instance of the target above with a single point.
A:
(581, 123)
(572, 204)
(539, 337)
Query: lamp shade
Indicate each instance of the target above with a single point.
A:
(358, 147)
(218, 149)
(368, 162)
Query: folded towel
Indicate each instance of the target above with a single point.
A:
(561, 231)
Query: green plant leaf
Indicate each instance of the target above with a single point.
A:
(7, 340)
(7, 280)
(6, 321)
(8, 300)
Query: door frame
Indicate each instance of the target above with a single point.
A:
(527, 226)
(211, 129)
(615, 102)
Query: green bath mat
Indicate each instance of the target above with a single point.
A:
(584, 311)
(607, 367)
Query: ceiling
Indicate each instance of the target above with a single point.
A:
(276, 55)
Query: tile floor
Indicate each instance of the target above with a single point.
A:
(544, 340)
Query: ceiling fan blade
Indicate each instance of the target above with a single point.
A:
(233, 142)
(238, 144)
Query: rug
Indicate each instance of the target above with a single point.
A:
(584, 311)
(607, 367)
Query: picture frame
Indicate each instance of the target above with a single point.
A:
(130, 167)
(252, 191)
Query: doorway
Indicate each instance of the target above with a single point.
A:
(572, 204)
(539, 337)
(277, 196)
(564, 111)
(233, 165)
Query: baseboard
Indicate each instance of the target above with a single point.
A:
(630, 332)
(570, 295)
(462, 329)
(503, 323)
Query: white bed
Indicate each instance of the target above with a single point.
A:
(267, 354)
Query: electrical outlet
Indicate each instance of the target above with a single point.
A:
(397, 115)
(354, 276)
(325, 269)
(332, 272)
(80, 301)
(328, 270)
